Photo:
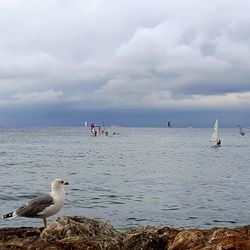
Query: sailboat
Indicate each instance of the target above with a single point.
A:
(242, 132)
(215, 141)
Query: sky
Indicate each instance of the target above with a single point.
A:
(127, 62)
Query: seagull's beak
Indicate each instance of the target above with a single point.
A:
(65, 183)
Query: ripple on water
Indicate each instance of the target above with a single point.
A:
(141, 176)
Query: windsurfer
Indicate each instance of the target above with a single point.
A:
(93, 131)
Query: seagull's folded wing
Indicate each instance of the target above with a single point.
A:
(35, 206)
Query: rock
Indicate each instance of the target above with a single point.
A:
(75, 233)
(213, 239)
(188, 239)
(147, 238)
(23, 238)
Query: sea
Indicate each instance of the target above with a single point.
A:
(137, 176)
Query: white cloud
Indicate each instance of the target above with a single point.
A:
(33, 98)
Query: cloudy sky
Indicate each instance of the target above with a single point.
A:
(136, 63)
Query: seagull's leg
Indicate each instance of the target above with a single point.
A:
(45, 222)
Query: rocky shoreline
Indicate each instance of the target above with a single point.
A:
(77, 232)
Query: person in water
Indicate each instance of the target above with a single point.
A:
(219, 142)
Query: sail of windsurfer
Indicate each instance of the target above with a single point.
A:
(241, 130)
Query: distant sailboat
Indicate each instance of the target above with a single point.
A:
(242, 132)
(169, 124)
(215, 141)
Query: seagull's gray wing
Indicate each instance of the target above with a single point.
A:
(35, 206)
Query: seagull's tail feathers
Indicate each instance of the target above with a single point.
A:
(11, 215)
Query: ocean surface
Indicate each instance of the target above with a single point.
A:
(149, 176)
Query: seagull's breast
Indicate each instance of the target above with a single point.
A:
(58, 202)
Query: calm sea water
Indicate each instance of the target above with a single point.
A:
(153, 176)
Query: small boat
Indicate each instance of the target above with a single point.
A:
(242, 132)
(215, 140)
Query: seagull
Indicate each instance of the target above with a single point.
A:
(42, 206)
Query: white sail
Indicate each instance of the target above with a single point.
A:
(215, 140)
(215, 135)
(86, 124)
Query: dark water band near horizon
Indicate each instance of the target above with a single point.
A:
(164, 176)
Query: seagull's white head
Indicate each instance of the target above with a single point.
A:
(58, 184)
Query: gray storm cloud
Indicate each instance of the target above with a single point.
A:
(122, 54)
